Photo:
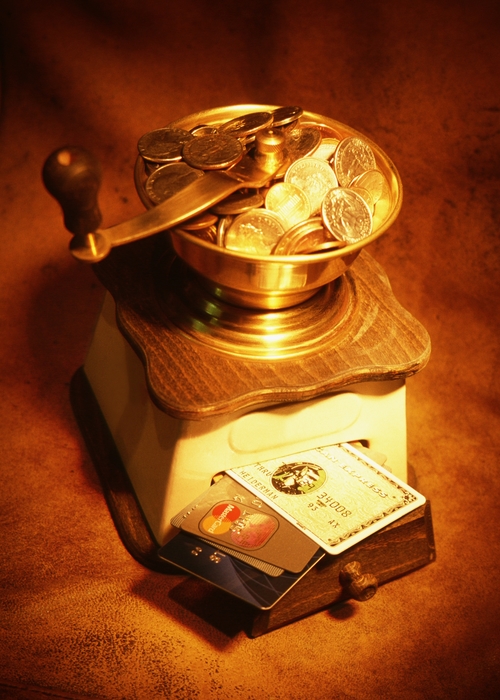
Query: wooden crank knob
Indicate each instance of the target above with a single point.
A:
(358, 585)
(72, 175)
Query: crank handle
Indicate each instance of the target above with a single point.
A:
(73, 176)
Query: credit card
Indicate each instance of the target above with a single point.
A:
(230, 516)
(267, 568)
(336, 495)
(241, 580)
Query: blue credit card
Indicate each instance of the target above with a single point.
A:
(232, 575)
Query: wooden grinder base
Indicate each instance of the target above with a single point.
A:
(397, 549)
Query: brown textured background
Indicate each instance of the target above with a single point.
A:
(78, 616)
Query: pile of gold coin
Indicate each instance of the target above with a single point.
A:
(321, 194)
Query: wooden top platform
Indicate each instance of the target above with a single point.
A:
(376, 339)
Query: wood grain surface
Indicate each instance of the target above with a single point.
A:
(377, 340)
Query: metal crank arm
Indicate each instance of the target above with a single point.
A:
(73, 176)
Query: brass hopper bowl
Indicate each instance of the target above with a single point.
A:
(274, 282)
(267, 307)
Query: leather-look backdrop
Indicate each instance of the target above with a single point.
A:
(79, 617)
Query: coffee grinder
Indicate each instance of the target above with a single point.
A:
(205, 359)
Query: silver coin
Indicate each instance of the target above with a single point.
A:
(286, 115)
(372, 180)
(213, 152)
(169, 179)
(204, 130)
(223, 225)
(383, 207)
(366, 194)
(238, 203)
(247, 124)
(352, 157)
(200, 222)
(315, 177)
(150, 167)
(256, 232)
(327, 148)
(346, 215)
(325, 130)
(290, 202)
(302, 237)
(163, 145)
(302, 142)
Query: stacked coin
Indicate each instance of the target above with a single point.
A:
(322, 195)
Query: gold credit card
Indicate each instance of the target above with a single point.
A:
(336, 495)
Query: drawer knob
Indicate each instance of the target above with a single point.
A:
(358, 585)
